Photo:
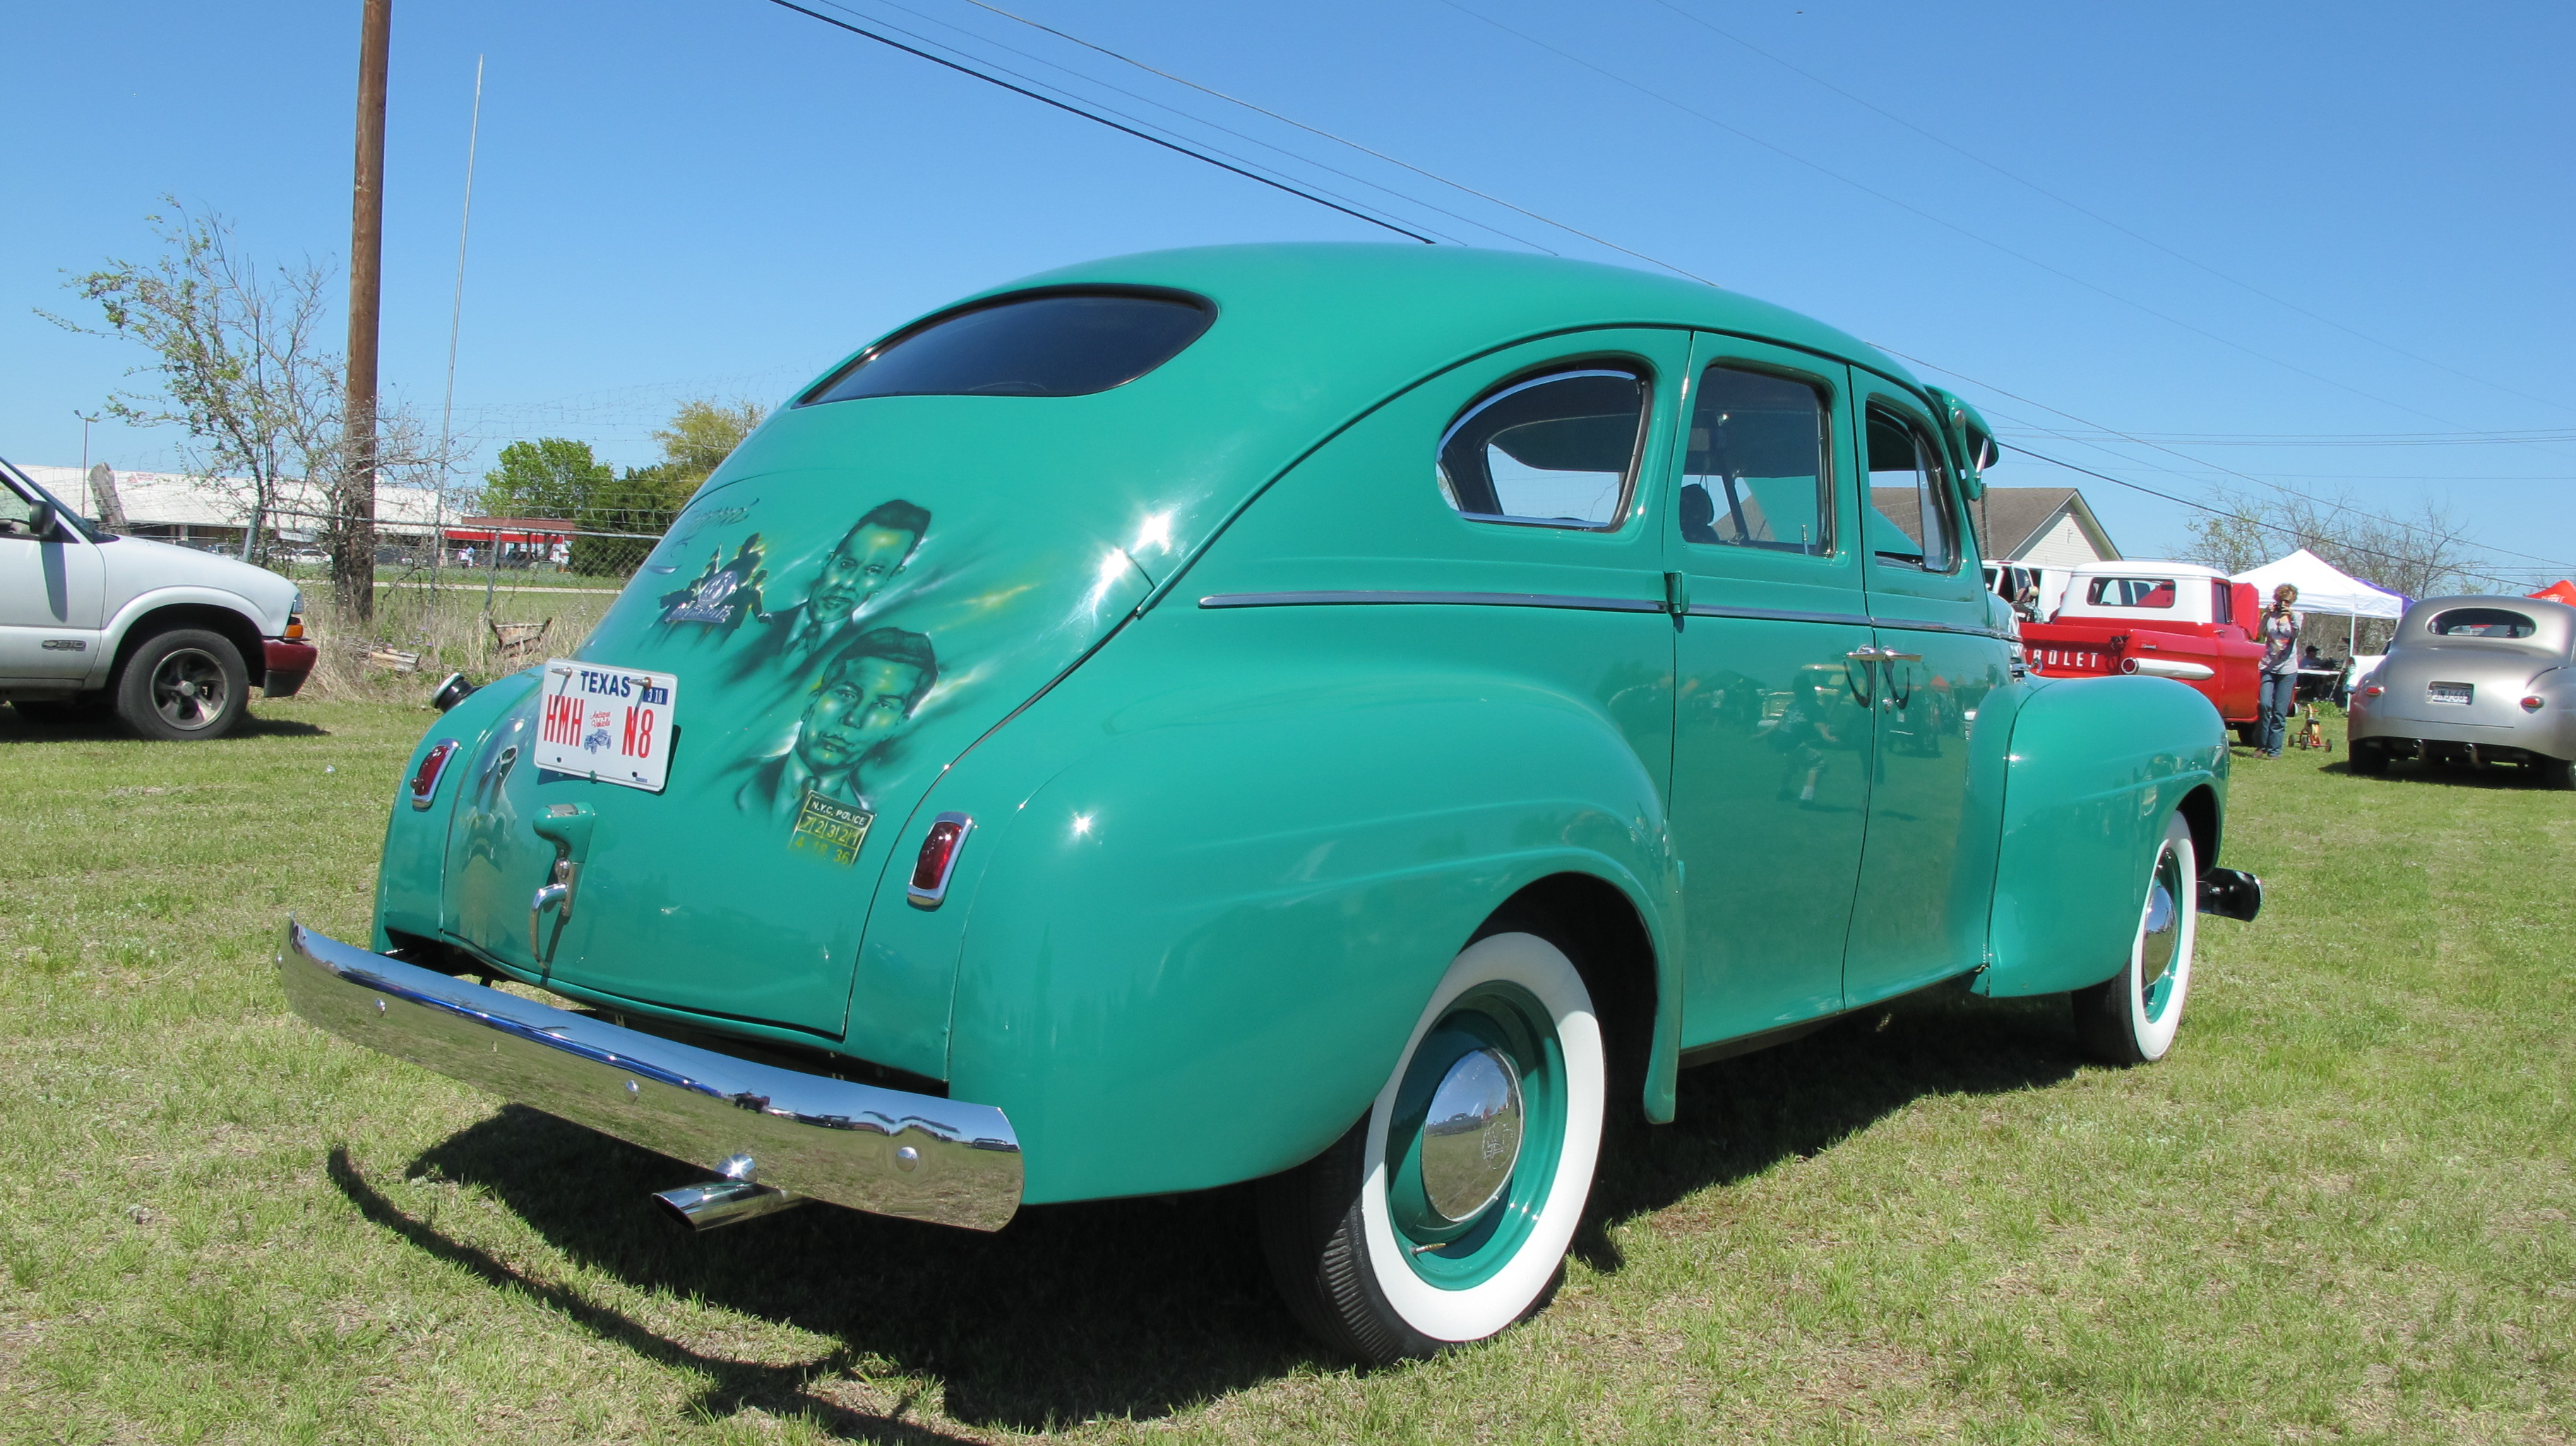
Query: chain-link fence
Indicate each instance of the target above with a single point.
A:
(477, 595)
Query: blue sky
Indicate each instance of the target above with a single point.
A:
(721, 197)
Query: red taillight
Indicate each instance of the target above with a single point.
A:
(938, 859)
(424, 782)
(2533, 703)
(2373, 691)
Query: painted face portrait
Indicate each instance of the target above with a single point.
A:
(863, 701)
(867, 559)
(865, 698)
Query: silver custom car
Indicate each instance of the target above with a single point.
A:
(2476, 681)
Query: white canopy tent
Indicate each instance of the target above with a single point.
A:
(2324, 588)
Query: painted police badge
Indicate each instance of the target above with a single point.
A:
(830, 828)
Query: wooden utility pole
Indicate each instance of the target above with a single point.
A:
(353, 531)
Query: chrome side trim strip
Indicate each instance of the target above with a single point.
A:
(887, 1151)
(1559, 600)
(1778, 615)
(1454, 599)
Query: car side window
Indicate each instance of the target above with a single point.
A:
(1558, 450)
(1757, 473)
(1910, 517)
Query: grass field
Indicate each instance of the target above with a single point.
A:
(2340, 1211)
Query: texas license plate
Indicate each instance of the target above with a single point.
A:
(610, 724)
(2449, 692)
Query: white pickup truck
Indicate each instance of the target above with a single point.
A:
(168, 640)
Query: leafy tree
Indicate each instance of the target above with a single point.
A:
(549, 477)
(703, 433)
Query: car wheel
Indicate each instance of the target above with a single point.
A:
(2368, 758)
(183, 684)
(1443, 1216)
(2553, 772)
(2131, 1017)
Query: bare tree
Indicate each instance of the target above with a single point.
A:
(2421, 555)
(238, 354)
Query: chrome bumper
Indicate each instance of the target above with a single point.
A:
(859, 1145)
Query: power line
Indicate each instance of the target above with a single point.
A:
(1187, 115)
(1071, 109)
(2195, 461)
(2093, 215)
(1354, 145)
(1748, 136)
(1943, 222)
(2291, 534)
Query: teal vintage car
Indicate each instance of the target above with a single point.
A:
(1346, 717)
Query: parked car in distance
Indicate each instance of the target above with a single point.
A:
(2157, 619)
(2477, 681)
(1348, 718)
(165, 638)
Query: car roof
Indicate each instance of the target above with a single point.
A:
(1422, 304)
(2145, 567)
(2554, 622)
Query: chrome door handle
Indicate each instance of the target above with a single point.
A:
(553, 895)
(1864, 680)
(1893, 656)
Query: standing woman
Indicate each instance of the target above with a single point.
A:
(2280, 667)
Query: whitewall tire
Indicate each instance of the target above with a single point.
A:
(2132, 1017)
(1444, 1215)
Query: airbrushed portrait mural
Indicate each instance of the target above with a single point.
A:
(848, 648)
(862, 702)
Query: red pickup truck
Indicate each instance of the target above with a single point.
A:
(2162, 619)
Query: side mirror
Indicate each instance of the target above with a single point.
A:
(42, 524)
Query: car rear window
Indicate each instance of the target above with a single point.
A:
(2483, 623)
(1057, 344)
(1559, 450)
(2130, 592)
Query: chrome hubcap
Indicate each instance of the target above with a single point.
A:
(1472, 1136)
(2162, 932)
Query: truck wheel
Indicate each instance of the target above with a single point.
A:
(183, 684)
(2130, 1018)
(2369, 758)
(1444, 1214)
(2553, 772)
(2250, 734)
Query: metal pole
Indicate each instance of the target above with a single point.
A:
(455, 322)
(353, 560)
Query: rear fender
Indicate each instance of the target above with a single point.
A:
(412, 880)
(2097, 766)
(1195, 949)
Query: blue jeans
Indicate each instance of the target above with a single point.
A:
(2278, 690)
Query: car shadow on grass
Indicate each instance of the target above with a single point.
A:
(1132, 1308)
(105, 729)
(1117, 1308)
(2507, 777)
(1738, 1118)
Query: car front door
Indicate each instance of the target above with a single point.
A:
(1925, 878)
(50, 594)
(1773, 729)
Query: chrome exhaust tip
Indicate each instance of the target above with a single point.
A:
(729, 1201)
